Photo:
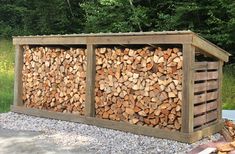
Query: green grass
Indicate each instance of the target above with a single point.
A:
(228, 93)
(7, 79)
(6, 74)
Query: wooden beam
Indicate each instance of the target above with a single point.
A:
(18, 76)
(122, 126)
(116, 39)
(90, 81)
(210, 48)
(147, 39)
(220, 79)
(53, 40)
(188, 88)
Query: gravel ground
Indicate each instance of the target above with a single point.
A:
(92, 138)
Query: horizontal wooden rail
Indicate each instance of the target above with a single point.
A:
(205, 107)
(209, 85)
(203, 119)
(205, 97)
(200, 76)
(123, 126)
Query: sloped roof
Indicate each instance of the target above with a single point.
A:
(164, 37)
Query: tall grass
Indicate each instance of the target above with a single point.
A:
(7, 78)
(228, 93)
(6, 74)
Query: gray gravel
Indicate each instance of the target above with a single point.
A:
(92, 138)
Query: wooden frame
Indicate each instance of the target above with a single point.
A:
(187, 39)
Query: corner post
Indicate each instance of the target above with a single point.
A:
(18, 85)
(220, 79)
(90, 81)
(188, 88)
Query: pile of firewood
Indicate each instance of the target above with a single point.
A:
(140, 86)
(230, 129)
(54, 79)
(224, 148)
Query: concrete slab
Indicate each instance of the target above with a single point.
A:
(27, 142)
(229, 114)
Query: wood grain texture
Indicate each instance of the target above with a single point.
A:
(200, 76)
(18, 76)
(90, 81)
(188, 89)
(220, 71)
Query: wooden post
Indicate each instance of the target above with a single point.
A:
(188, 88)
(90, 81)
(220, 79)
(18, 75)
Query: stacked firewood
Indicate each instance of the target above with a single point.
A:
(230, 127)
(54, 79)
(140, 86)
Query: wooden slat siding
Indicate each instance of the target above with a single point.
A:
(18, 76)
(220, 79)
(202, 108)
(203, 119)
(210, 85)
(199, 98)
(90, 81)
(210, 48)
(206, 65)
(200, 76)
(123, 126)
(188, 89)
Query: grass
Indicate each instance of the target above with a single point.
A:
(228, 93)
(6, 74)
(7, 79)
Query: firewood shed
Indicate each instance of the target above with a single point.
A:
(162, 84)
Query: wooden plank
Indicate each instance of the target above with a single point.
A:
(199, 109)
(212, 95)
(199, 98)
(200, 120)
(211, 106)
(203, 119)
(53, 40)
(206, 65)
(220, 79)
(211, 116)
(152, 39)
(119, 38)
(209, 85)
(205, 107)
(18, 76)
(200, 76)
(188, 89)
(90, 81)
(123, 126)
(210, 48)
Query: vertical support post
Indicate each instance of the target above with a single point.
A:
(188, 88)
(220, 80)
(18, 76)
(90, 81)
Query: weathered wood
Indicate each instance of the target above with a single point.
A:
(203, 119)
(202, 108)
(18, 75)
(188, 89)
(206, 65)
(209, 85)
(90, 81)
(200, 76)
(123, 126)
(210, 48)
(220, 79)
(199, 98)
